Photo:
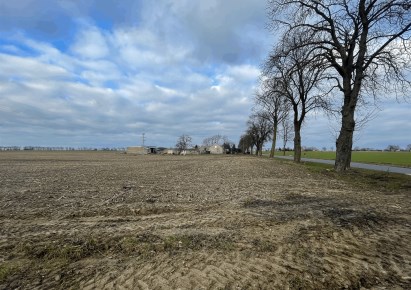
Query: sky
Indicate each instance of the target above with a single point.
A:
(100, 73)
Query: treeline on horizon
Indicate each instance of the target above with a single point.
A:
(58, 148)
(389, 148)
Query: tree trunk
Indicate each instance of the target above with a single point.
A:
(272, 152)
(345, 141)
(297, 142)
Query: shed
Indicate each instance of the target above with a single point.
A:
(137, 150)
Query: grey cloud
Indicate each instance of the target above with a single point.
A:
(219, 31)
(183, 67)
(231, 31)
(12, 67)
(60, 106)
(50, 18)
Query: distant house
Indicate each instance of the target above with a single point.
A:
(161, 150)
(216, 149)
(212, 149)
(171, 151)
(176, 151)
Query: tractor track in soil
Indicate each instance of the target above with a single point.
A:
(95, 220)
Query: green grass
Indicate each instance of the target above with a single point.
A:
(402, 159)
(362, 178)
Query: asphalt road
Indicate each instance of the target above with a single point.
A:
(385, 168)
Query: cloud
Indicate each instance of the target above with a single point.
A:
(90, 43)
(55, 19)
(48, 95)
(42, 18)
(221, 31)
(104, 73)
(14, 68)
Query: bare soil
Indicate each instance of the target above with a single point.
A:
(94, 220)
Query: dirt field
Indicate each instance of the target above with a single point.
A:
(115, 221)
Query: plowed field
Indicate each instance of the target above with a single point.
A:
(93, 220)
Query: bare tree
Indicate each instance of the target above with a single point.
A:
(274, 107)
(216, 139)
(183, 143)
(229, 147)
(246, 143)
(297, 75)
(286, 132)
(408, 148)
(366, 44)
(393, 148)
(259, 130)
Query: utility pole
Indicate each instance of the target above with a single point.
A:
(143, 138)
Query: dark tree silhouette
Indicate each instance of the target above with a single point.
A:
(296, 76)
(259, 130)
(286, 132)
(246, 143)
(365, 43)
(183, 143)
(274, 107)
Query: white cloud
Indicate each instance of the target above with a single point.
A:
(244, 73)
(139, 48)
(174, 67)
(15, 67)
(90, 43)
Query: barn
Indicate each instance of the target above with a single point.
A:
(216, 149)
(137, 150)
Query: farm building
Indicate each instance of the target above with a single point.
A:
(175, 151)
(171, 151)
(142, 150)
(137, 150)
(216, 149)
